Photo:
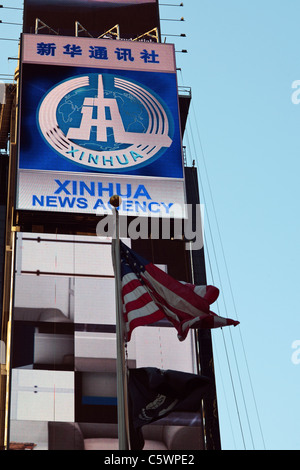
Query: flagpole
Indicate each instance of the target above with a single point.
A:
(122, 399)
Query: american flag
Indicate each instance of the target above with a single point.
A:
(150, 295)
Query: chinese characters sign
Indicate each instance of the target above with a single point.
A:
(97, 52)
(103, 109)
(89, 52)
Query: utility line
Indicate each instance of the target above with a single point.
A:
(247, 416)
(6, 22)
(235, 398)
(10, 8)
(219, 276)
(228, 276)
(222, 290)
(213, 281)
(209, 258)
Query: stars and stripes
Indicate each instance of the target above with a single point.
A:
(150, 295)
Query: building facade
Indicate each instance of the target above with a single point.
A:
(95, 111)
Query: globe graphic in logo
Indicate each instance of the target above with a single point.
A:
(105, 122)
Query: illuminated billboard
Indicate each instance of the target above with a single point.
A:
(63, 357)
(134, 17)
(97, 118)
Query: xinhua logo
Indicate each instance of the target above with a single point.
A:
(105, 122)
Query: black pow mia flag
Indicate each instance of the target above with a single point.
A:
(154, 393)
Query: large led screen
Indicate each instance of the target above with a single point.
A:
(99, 117)
(64, 387)
(134, 17)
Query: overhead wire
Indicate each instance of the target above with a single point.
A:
(227, 272)
(216, 355)
(226, 311)
(220, 281)
(207, 253)
(230, 288)
(228, 277)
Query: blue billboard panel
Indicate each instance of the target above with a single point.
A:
(102, 114)
(87, 120)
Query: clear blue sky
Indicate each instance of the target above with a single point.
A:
(244, 135)
(241, 62)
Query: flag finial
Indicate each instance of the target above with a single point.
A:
(115, 200)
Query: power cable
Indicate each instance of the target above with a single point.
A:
(10, 8)
(228, 277)
(222, 290)
(225, 266)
